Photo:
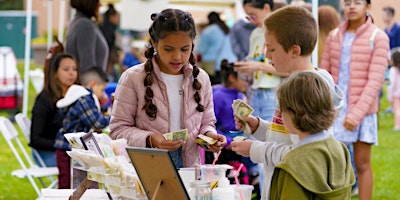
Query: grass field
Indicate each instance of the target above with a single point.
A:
(385, 161)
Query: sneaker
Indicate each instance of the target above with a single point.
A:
(396, 128)
(354, 192)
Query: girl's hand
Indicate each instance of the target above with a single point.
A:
(349, 124)
(158, 141)
(251, 120)
(218, 145)
(242, 148)
(248, 67)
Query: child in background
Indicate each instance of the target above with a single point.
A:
(168, 92)
(46, 120)
(355, 55)
(319, 166)
(394, 87)
(290, 36)
(81, 110)
(232, 88)
(265, 79)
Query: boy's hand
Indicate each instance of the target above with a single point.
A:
(218, 145)
(242, 148)
(251, 120)
(158, 141)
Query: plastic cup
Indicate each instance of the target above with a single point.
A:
(187, 175)
(212, 173)
(246, 191)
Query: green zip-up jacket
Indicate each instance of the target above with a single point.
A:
(317, 170)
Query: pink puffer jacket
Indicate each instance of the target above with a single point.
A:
(367, 67)
(129, 120)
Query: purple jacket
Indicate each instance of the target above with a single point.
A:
(129, 120)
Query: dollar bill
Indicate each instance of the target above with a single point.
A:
(177, 135)
(205, 141)
(239, 138)
(241, 108)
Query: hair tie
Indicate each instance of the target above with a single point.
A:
(153, 16)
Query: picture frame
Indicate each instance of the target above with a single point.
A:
(90, 143)
(161, 181)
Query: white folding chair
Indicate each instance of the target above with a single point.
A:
(11, 136)
(24, 124)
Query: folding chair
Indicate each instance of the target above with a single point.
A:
(11, 136)
(24, 124)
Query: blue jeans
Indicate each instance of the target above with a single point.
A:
(49, 158)
(264, 102)
(177, 158)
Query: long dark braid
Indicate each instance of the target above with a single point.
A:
(196, 83)
(169, 21)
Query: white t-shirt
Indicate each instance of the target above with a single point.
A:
(175, 94)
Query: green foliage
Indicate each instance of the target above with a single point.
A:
(385, 160)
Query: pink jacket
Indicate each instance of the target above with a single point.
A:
(367, 67)
(129, 120)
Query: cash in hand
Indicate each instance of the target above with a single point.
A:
(204, 141)
(177, 135)
(240, 108)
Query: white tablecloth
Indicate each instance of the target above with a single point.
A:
(63, 194)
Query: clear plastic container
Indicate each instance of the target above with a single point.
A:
(200, 190)
(243, 191)
(224, 191)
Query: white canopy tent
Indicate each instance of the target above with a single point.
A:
(137, 15)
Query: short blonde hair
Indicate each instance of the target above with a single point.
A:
(307, 98)
(293, 25)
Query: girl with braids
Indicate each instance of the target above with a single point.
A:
(166, 93)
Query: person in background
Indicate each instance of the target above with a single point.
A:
(108, 27)
(215, 45)
(240, 35)
(46, 120)
(319, 166)
(356, 55)
(393, 94)
(232, 88)
(392, 28)
(328, 19)
(174, 94)
(81, 112)
(84, 38)
(265, 79)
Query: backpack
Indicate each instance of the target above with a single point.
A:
(371, 38)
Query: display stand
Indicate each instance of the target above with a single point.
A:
(77, 194)
(116, 183)
(157, 173)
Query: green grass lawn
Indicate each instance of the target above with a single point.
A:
(385, 160)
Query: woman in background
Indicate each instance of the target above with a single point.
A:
(46, 120)
(84, 38)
